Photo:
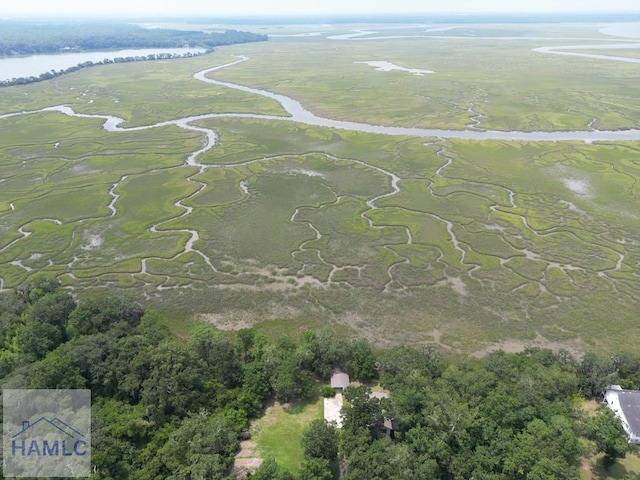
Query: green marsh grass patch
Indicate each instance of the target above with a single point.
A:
(146, 200)
(424, 227)
(505, 79)
(69, 205)
(45, 241)
(260, 227)
(116, 268)
(486, 243)
(343, 229)
(423, 267)
(222, 187)
(531, 270)
(549, 230)
(144, 93)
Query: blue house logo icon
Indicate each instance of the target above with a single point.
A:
(48, 438)
(46, 433)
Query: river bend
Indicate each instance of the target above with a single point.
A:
(297, 113)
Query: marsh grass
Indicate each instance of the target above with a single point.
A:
(504, 81)
(485, 241)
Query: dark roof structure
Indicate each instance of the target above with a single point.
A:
(630, 406)
(390, 424)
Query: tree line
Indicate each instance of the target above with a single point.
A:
(43, 37)
(56, 73)
(31, 38)
(173, 408)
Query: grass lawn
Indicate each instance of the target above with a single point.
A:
(278, 433)
(591, 465)
(591, 468)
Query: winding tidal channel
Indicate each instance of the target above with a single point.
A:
(297, 113)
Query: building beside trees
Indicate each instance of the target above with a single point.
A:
(625, 404)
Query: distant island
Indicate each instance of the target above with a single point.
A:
(22, 37)
(37, 37)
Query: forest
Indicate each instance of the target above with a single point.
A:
(55, 73)
(166, 407)
(47, 37)
(21, 37)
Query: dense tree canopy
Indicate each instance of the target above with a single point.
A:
(22, 37)
(174, 408)
(321, 441)
(29, 37)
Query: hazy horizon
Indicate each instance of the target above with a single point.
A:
(326, 7)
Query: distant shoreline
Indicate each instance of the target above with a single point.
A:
(418, 17)
(124, 56)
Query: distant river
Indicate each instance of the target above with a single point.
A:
(297, 113)
(34, 65)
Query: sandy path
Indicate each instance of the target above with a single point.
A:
(332, 409)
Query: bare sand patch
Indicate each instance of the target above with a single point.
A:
(229, 321)
(517, 346)
(232, 320)
(384, 66)
(581, 187)
(303, 171)
(458, 285)
(91, 241)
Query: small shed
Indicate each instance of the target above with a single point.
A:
(339, 381)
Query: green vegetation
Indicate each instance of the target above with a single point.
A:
(166, 408)
(312, 249)
(279, 432)
(29, 37)
(25, 37)
(503, 81)
(484, 244)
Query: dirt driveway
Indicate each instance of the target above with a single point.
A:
(332, 408)
(247, 460)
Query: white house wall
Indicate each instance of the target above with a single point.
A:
(613, 403)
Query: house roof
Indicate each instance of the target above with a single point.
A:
(630, 405)
(340, 380)
(390, 423)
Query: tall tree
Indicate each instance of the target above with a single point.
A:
(176, 383)
(609, 436)
(362, 412)
(363, 362)
(217, 353)
(117, 312)
(320, 440)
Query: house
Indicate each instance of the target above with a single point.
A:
(626, 406)
(339, 381)
(390, 425)
(333, 405)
